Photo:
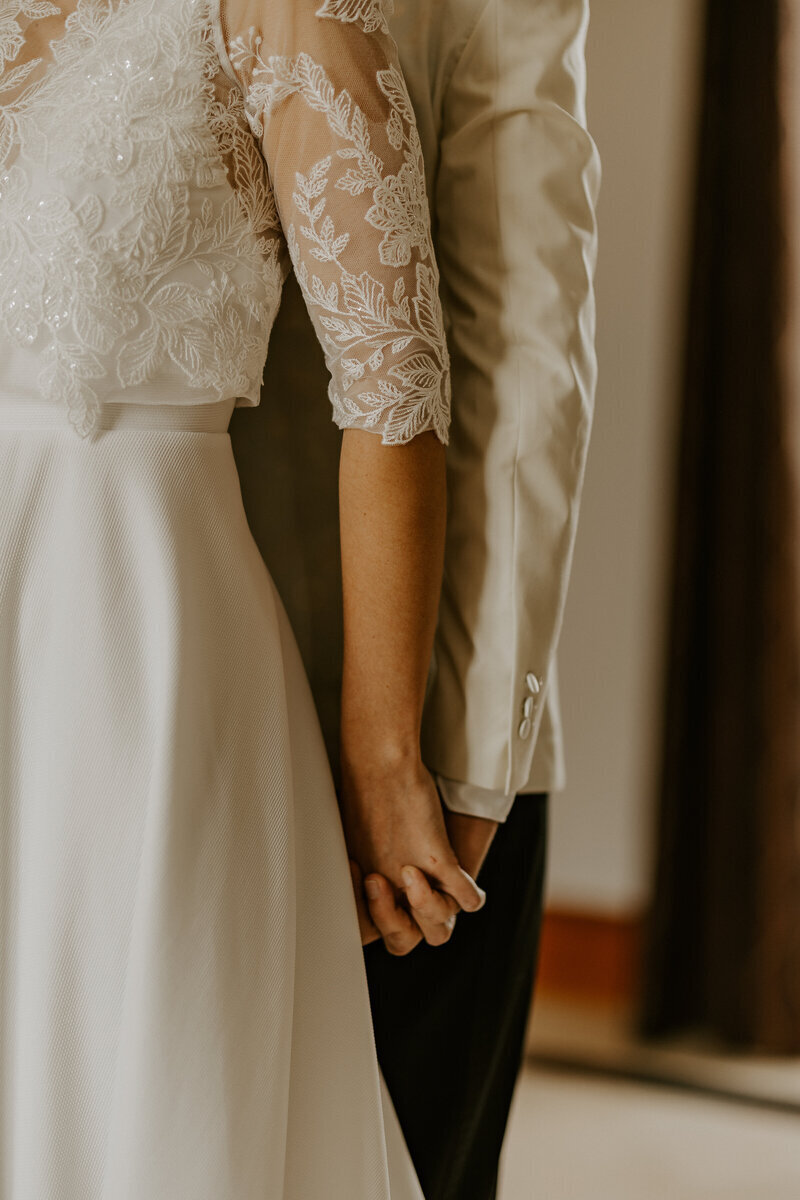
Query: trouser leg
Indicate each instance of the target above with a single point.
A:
(450, 1020)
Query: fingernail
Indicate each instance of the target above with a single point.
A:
(407, 876)
(373, 888)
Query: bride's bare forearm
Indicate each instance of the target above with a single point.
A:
(392, 516)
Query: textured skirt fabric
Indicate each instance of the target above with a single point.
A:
(183, 1006)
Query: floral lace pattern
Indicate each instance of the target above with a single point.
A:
(369, 15)
(140, 238)
(11, 39)
(381, 330)
(135, 254)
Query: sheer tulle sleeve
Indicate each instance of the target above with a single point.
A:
(325, 98)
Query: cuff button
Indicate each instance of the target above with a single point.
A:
(533, 682)
(527, 706)
(525, 727)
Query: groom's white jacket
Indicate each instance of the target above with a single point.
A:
(498, 87)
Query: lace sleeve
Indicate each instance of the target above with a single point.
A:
(327, 102)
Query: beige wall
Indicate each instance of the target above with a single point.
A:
(642, 57)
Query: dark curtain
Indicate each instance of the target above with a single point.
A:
(722, 938)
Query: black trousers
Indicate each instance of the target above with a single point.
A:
(450, 1020)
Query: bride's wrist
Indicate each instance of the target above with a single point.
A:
(367, 759)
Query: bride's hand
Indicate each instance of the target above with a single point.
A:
(395, 828)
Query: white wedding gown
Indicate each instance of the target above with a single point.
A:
(183, 1004)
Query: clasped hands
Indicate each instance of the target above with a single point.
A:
(413, 862)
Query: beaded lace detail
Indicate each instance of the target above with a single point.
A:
(140, 235)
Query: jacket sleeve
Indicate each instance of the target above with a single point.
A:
(492, 804)
(325, 98)
(515, 204)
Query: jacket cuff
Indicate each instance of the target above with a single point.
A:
(490, 803)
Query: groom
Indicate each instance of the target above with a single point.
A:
(498, 89)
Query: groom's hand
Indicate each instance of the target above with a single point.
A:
(366, 926)
(470, 838)
(430, 913)
(382, 915)
(424, 911)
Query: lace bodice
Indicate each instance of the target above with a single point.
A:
(163, 164)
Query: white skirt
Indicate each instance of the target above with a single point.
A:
(184, 1012)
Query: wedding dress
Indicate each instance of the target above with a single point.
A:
(183, 1006)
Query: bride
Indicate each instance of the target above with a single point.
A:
(183, 1005)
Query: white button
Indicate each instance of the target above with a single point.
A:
(527, 706)
(532, 682)
(525, 728)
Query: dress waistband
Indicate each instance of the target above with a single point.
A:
(204, 417)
